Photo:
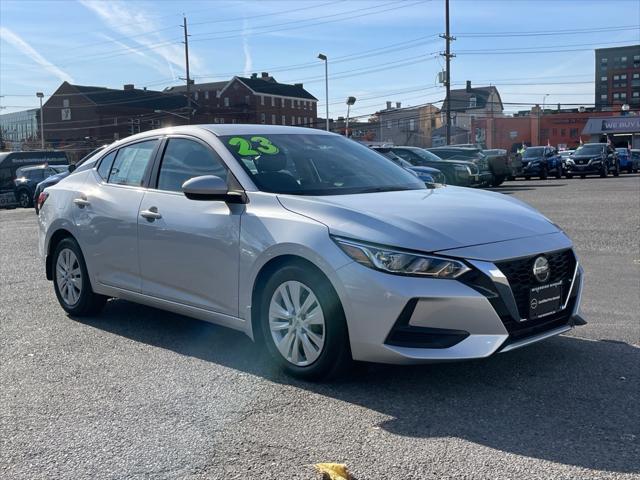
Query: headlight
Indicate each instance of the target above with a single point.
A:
(462, 169)
(399, 262)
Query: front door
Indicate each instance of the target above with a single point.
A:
(189, 248)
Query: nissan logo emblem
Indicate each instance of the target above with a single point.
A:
(541, 269)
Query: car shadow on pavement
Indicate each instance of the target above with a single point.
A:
(566, 400)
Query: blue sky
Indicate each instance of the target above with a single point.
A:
(378, 50)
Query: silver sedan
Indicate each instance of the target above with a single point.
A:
(311, 244)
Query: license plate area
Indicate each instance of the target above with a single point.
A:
(545, 300)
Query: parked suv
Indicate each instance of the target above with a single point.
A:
(28, 177)
(428, 175)
(457, 172)
(541, 162)
(593, 158)
(494, 168)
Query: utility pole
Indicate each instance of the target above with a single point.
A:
(448, 55)
(186, 61)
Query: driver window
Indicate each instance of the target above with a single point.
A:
(184, 159)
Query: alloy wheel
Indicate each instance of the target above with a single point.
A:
(296, 323)
(24, 199)
(69, 276)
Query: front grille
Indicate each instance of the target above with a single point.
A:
(521, 279)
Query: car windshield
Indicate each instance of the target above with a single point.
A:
(533, 152)
(589, 150)
(313, 164)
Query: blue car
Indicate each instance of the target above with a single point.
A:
(627, 162)
(541, 162)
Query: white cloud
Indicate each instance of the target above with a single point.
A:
(128, 21)
(248, 62)
(19, 43)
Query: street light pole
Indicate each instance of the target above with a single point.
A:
(40, 95)
(350, 101)
(324, 58)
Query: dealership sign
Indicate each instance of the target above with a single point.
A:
(625, 124)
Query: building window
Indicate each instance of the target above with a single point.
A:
(195, 95)
(604, 60)
(603, 96)
(389, 124)
(636, 76)
(226, 101)
(563, 132)
(65, 103)
(273, 118)
(247, 100)
(473, 101)
(616, 96)
(635, 94)
(623, 76)
(206, 94)
(603, 79)
(299, 120)
(263, 118)
(293, 120)
(261, 100)
(412, 124)
(573, 132)
(284, 120)
(623, 59)
(623, 96)
(273, 103)
(295, 104)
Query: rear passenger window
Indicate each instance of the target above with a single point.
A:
(105, 165)
(184, 159)
(131, 163)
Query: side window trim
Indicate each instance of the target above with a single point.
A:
(145, 176)
(157, 165)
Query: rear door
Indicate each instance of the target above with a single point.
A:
(189, 249)
(106, 213)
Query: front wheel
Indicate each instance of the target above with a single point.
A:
(543, 173)
(71, 281)
(616, 170)
(24, 199)
(568, 175)
(498, 180)
(303, 324)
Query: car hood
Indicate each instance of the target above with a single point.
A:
(584, 157)
(424, 220)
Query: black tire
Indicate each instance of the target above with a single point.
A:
(498, 180)
(616, 170)
(335, 357)
(583, 176)
(527, 177)
(604, 171)
(558, 174)
(568, 175)
(543, 173)
(24, 199)
(630, 169)
(88, 302)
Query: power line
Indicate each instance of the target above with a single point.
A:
(547, 32)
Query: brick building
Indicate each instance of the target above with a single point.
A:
(78, 116)
(617, 77)
(256, 99)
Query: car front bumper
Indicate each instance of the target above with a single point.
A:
(584, 168)
(404, 320)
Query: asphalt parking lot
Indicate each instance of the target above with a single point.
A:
(139, 393)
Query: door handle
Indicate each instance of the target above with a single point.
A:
(151, 214)
(81, 202)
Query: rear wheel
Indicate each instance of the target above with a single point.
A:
(568, 175)
(71, 281)
(303, 324)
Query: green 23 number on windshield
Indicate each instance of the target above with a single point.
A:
(246, 147)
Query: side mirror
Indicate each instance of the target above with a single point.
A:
(210, 187)
(72, 167)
